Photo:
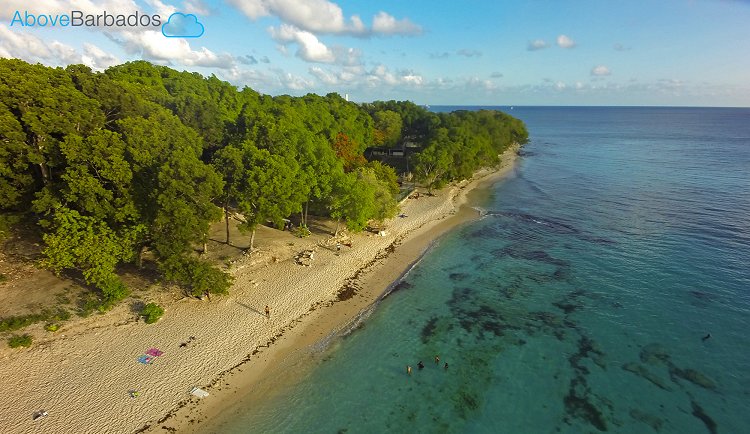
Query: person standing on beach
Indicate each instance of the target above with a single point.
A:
(268, 312)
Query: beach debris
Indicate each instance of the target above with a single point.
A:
(39, 414)
(145, 359)
(185, 344)
(133, 393)
(305, 257)
(197, 391)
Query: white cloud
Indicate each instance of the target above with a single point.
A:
(469, 53)
(386, 24)
(443, 55)
(536, 44)
(326, 77)
(380, 75)
(600, 71)
(324, 17)
(195, 7)
(564, 41)
(309, 47)
(98, 58)
(620, 47)
(30, 48)
(154, 46)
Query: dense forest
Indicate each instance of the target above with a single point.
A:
(142, 158)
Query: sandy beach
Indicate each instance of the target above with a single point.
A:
(227, 346)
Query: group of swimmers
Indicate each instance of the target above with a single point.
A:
(420, 365)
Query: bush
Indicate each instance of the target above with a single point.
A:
(302, 231)
(152, 312)
(52, 327)
(16, 341)
(113, 290)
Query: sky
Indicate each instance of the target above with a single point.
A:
(471, 52)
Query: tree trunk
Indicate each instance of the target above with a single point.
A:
(301, 218)
(139, 257)
(252, 240)
(338, 222)
(43, 167)
(226, 219)
(307, 206)
(205, 247)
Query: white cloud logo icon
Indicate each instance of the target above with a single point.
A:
(181, 25)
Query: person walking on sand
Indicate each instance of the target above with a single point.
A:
(268, 312)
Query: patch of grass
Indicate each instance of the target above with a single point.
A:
(87, 304)
(62, 299)
(21, 321)
(16, 341)
(152, 312)
(3, 277)
(52, 327)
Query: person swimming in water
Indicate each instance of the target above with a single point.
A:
(420, 365)
(437, 359)
(408, 369)
(706, 337)
(446, 365)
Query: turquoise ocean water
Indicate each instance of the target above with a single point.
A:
(579, 303)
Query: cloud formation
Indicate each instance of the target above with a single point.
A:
(620, 47)
(536, 44)
(469, 53)
(600, 71)
(564, 41)
(309, 47)
(324, 17)
(385, 24)
(32, 49)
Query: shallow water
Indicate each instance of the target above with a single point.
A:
(578, 303)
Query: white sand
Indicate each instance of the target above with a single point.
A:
(82, 379)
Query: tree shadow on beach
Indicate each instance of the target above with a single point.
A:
(252, 309)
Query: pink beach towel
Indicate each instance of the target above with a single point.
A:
(154, 352)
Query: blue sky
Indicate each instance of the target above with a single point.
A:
(523, 52)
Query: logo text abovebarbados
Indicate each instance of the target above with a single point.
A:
(79, 19)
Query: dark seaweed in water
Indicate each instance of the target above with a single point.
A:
(403, 284)
(429, 329)
(458, 276)
(581, 408)
(485, 232)
(520, 251)
(555, 226)
(577, 402)
(701, 414)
